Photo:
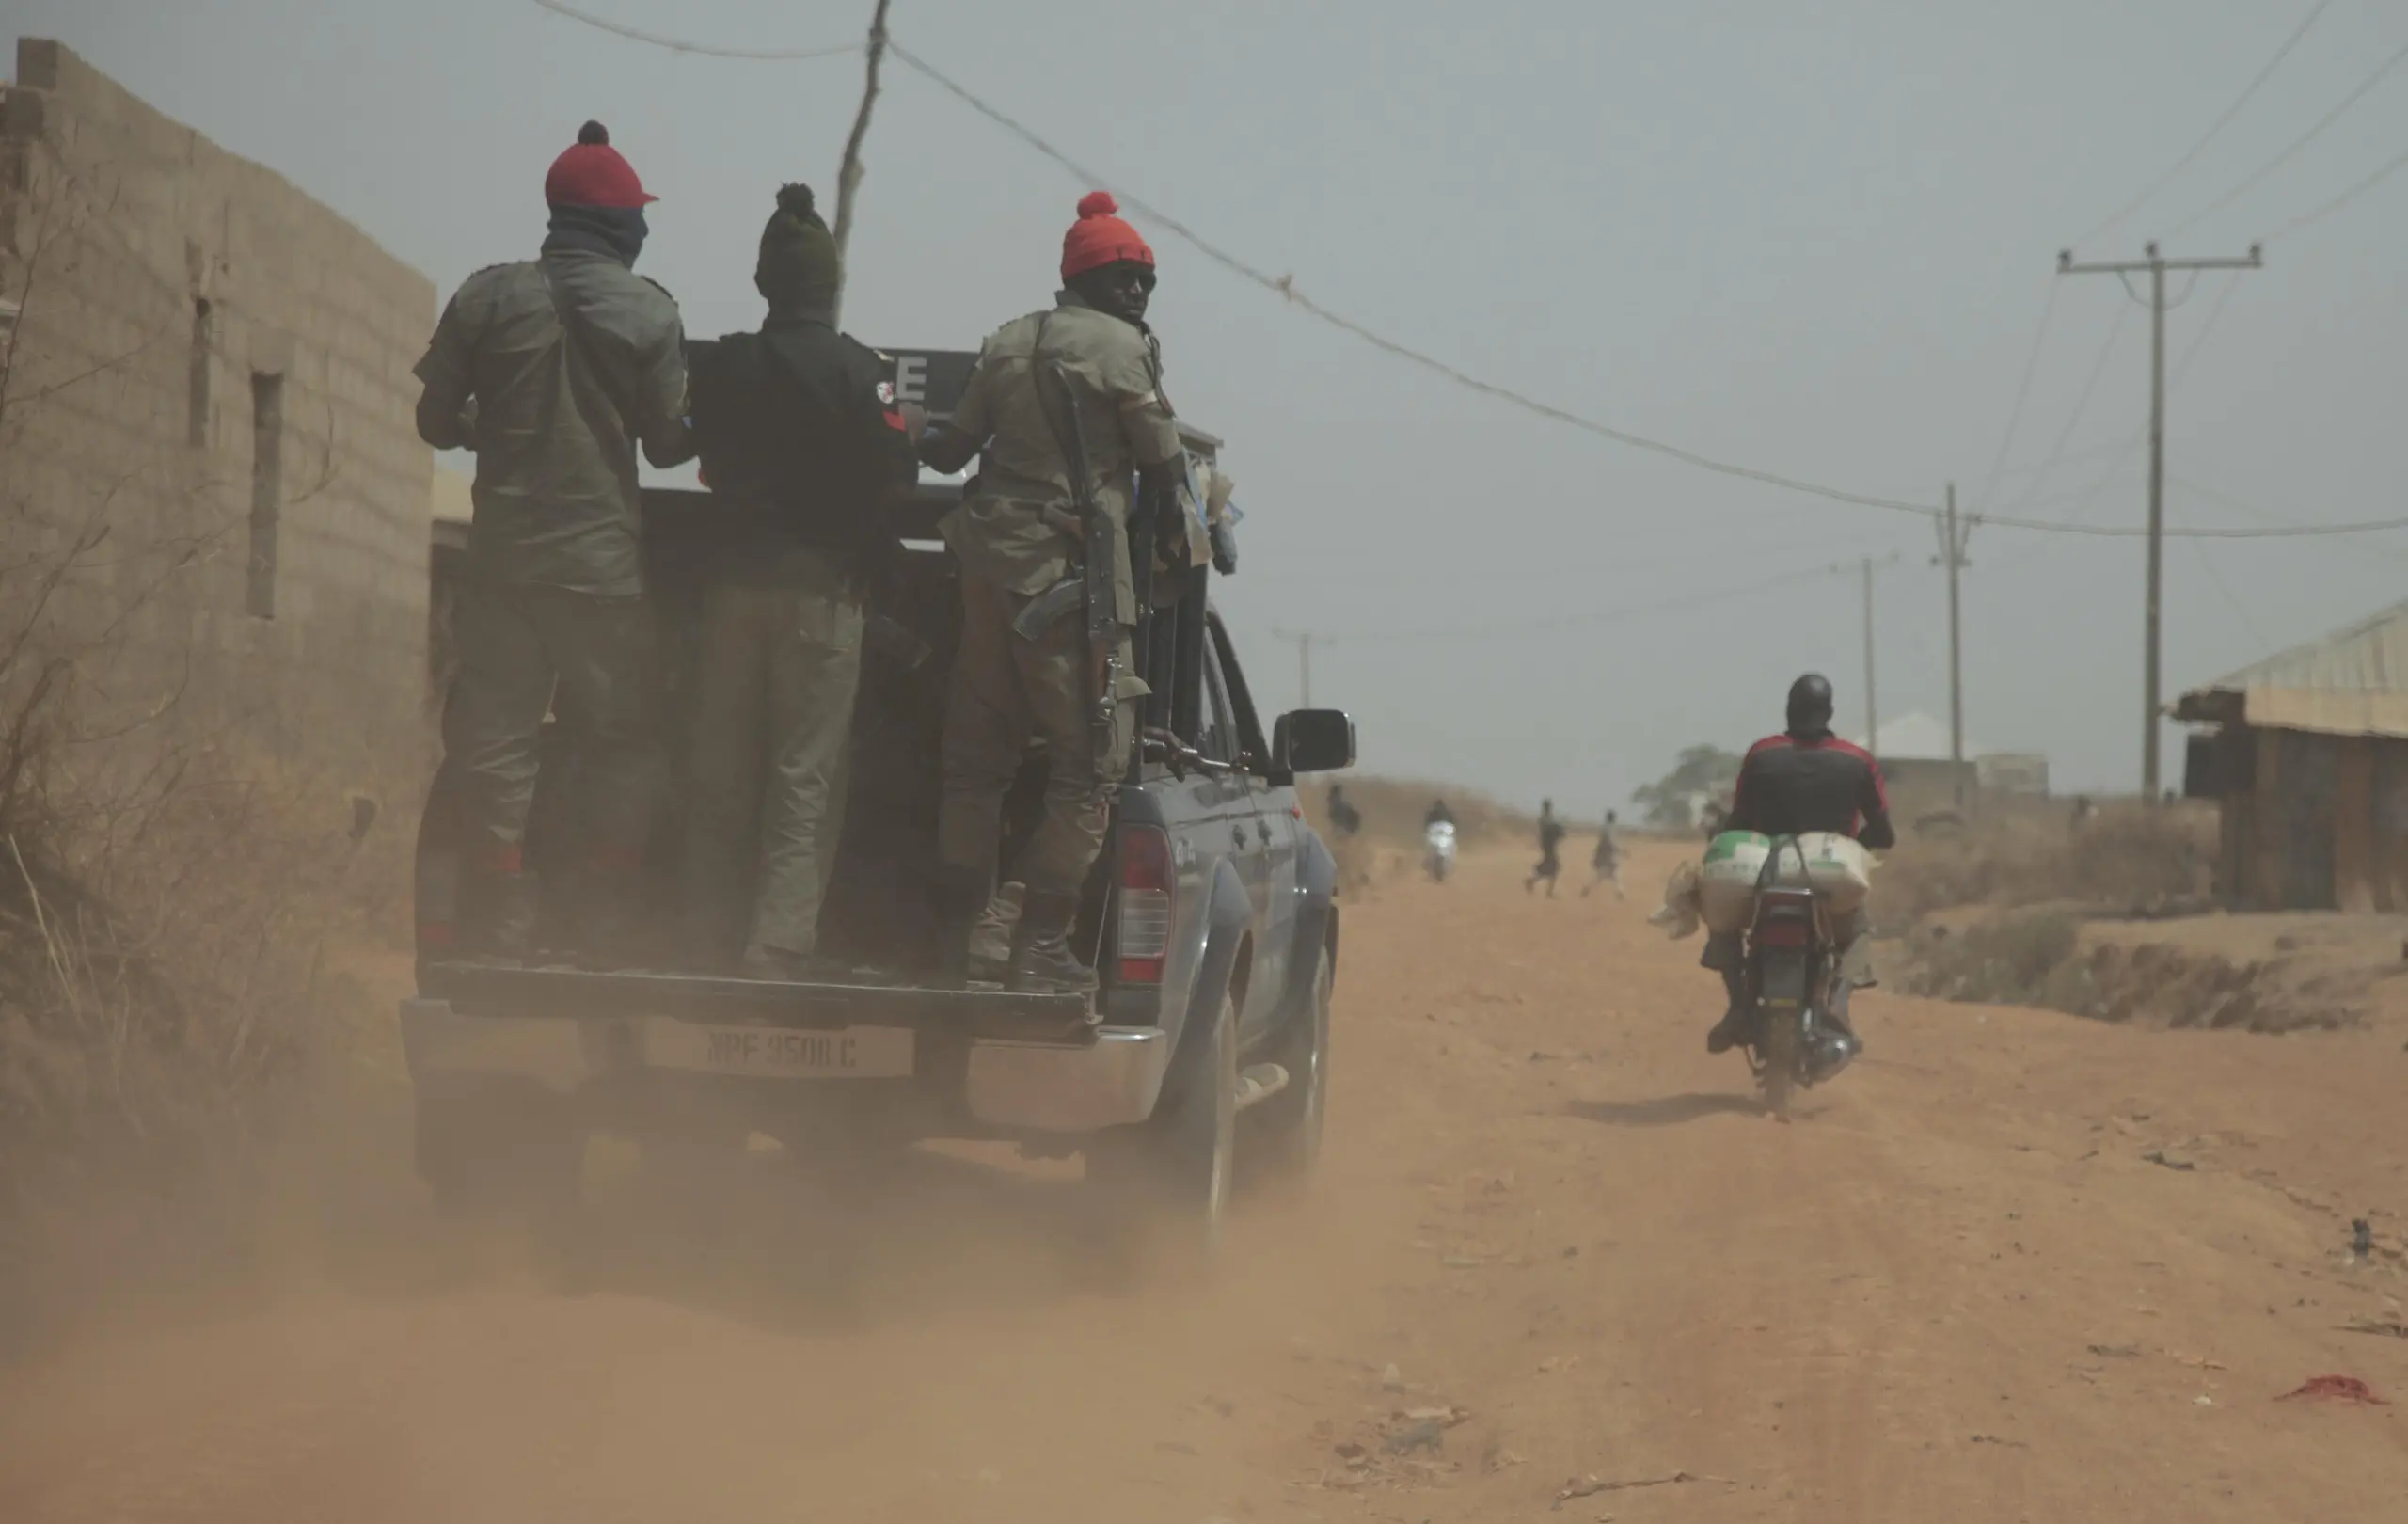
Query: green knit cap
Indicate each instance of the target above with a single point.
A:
(798, 265)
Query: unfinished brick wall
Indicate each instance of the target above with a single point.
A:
(208, 428)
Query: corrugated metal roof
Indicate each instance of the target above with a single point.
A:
(2351, 683)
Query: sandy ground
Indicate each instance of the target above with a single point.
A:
(2012, 1266)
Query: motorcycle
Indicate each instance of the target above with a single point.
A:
(1438, 849)
(1794, 978)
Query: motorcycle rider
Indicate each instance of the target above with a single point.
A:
(1804, 780)
(1438, 814)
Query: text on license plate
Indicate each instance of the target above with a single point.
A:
(852, 1052)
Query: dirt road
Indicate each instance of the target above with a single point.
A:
(2012, 1266)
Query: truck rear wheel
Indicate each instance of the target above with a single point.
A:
(506, 1149)
(1282, 1136)
(1165, 1183)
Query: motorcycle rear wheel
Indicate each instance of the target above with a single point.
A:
(1779, 1056)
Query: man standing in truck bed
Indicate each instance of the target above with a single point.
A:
(799, 429)
(1084, 378)
(551, 370)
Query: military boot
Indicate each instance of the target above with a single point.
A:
(500, 926)
(991, 935)
(617, 931)
(962, 897)
(1732, 1030)
(1043, 963)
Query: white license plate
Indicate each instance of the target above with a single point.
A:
(780, 1051)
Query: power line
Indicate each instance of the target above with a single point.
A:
(2369, 183)
(1285, 287)
(2023, 388)
(2248, 91)
(1545, 625)
(2206, 564)
(2080, 407)
(2297, 144)
(700, 48)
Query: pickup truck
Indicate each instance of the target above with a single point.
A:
(1204, 1055)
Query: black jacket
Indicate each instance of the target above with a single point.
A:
(797, 427)
(1792, 784)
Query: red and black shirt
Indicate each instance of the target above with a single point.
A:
(1792, 784)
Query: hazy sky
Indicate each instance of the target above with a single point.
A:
(1815, 236)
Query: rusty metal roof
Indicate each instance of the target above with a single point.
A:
(2351, 683)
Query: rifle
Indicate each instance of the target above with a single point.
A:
(1093, 583)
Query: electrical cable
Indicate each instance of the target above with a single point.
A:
(2299, 143)
(2336, 204)
(700, 48)
(2023, 388)
(2081, 407)
(2223, 121)
(1285, 287)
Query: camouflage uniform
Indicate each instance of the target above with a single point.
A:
(565, 362)
(1016, 536)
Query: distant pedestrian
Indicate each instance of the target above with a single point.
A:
(1606, 862)
(1343, 817)
(1550, 842)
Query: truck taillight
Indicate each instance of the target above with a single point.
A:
(1148, 887)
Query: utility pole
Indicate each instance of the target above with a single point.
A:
(1872, 708)
(848, 174)
(2152, 655)
(1304, 640)
(1955, 535)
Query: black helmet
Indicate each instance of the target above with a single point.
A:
(1810, 705)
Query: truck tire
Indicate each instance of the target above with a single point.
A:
(1282, 1136)
(498, 1150)
(1163, 1185)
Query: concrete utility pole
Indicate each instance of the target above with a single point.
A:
(2153, 619)
(1871, 709)
(1304, 640)
(848, 174)
(1955, 535)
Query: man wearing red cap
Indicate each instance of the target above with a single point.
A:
(1017, 534)
(551, 370)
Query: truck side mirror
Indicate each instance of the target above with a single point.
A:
(1313, 740)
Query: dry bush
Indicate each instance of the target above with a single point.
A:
(168, 900)
(2025, 959)
(2128, 859)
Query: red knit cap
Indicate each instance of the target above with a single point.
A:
(1099, 238)
(593, 174)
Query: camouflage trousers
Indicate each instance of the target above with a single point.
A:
(526, 650)
(1005, 690)
(778, 666)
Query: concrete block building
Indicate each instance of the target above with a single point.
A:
(208, 463)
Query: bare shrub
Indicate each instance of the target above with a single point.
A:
(2128, 859)
(173, 904)
(2025, 959)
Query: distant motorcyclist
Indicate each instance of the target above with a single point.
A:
(1550, 866)
(1438, 814)
(1803, 780)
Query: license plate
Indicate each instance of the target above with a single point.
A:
(780, 1053)
(1785, 981)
